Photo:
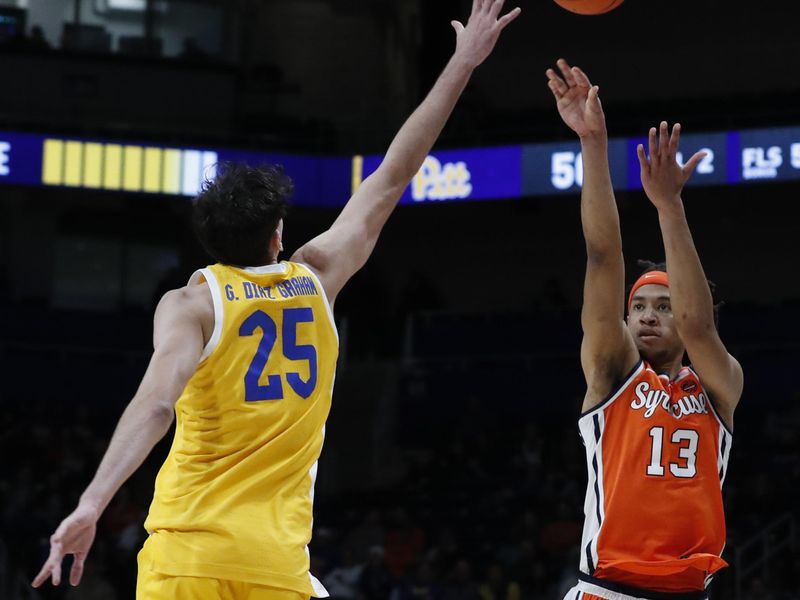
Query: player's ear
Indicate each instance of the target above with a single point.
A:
(276, 243)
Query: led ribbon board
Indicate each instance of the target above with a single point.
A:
(506, 172)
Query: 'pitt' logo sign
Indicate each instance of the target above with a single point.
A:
(437, 181)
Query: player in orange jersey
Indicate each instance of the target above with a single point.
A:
(245, 355)
(657, 433)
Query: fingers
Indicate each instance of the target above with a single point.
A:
(43, 575)
(593, 99)
(692, 163)
(458, 26)
(55, 573)
(675, 139)
(76, 572)
(652, 144)
(556, 84)
(663, 139)
(566, 72)
(52, 567)
(506, 19)
(581, 78)
(477, 5)
(495, 8)
(644, 164)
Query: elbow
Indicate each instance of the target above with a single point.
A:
(162, 415)
(397, 174)
(600, 256)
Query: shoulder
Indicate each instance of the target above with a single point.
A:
(319, 277)
(299, 262)
(182, 312)
(191, 300)
(189, 296)
(601, 394)
(723, 400)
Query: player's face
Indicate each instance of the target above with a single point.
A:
(652, 325)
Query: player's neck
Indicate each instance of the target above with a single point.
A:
(670, 367)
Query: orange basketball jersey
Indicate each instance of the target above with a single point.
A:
(657, 453)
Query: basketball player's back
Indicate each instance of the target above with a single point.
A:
(249, 374)
(239, 478)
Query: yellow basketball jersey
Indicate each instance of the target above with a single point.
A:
(234, 498)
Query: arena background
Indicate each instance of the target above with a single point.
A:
(452, 467)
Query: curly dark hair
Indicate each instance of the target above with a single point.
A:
(647, 266)
(235, 215)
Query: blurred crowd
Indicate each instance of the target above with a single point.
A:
(489, 514)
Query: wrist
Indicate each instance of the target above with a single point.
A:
(92, 503)
(597, 139)
(670, 202)
(670, 207)
(462, 63)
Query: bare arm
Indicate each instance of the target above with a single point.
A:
(178, 344)
(337, 254)
(607, 351)
(692, 305)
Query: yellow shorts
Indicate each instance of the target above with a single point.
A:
(157, 586)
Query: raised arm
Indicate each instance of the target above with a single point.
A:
(178, 342)
(337, 254)
(692, 304)
(607, 351)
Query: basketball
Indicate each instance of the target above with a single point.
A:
(589, 7)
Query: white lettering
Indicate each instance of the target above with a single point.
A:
(758, 163)
(435, 181)
(795, 152)
(641, 395)
(5, 152)
(650, 399)
(566, 170)
(705, 166)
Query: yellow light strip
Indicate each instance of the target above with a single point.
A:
(112, 174)
(358, 172)
(73, 164)
(124, 167)
(53, 162)
(93, 165)
(132, 168)
(152, 170)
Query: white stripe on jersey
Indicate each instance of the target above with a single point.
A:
(595, 499)
(594, 503)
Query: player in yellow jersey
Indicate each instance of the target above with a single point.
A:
(244, 358)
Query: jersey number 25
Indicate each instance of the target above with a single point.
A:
(273, 390)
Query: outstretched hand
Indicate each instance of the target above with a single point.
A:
(74, 536)
(577, 100)
(475, 42)
(663, 177)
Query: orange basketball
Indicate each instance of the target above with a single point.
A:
(589, 7)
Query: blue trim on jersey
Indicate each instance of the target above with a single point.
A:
(724, 446)
(712, 404)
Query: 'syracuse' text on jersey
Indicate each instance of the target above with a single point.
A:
(657, 453)
(234, 498)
